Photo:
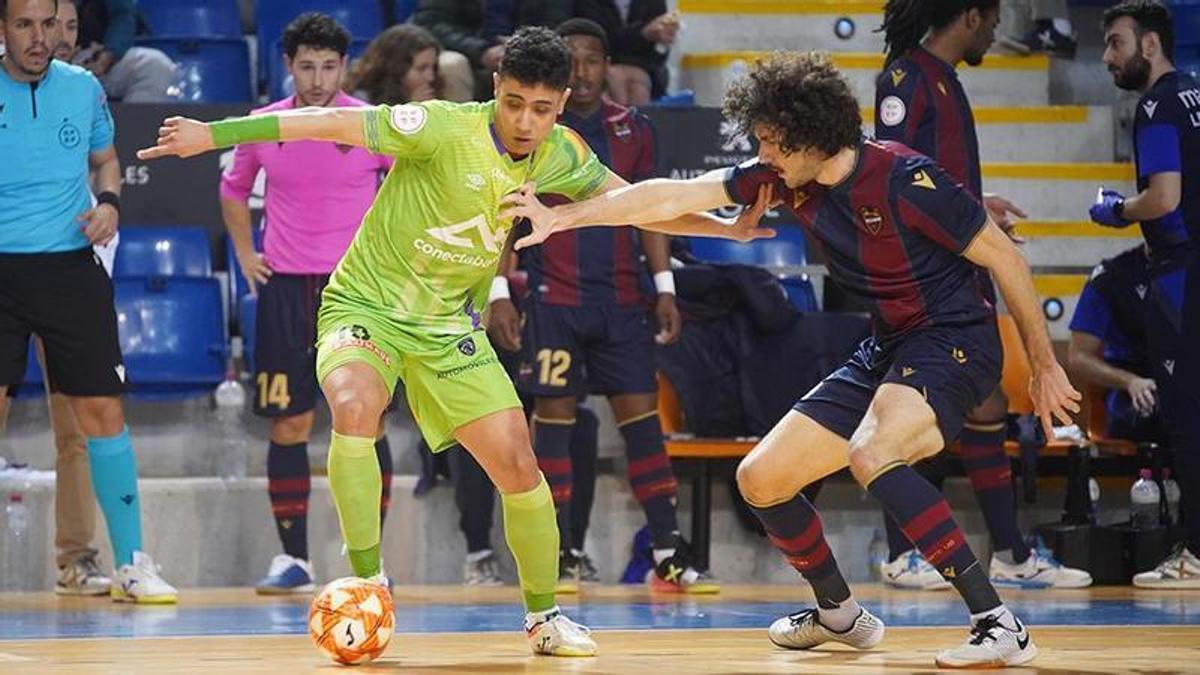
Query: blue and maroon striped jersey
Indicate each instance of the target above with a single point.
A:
(920, 102)
(598, 265)
(892, 233)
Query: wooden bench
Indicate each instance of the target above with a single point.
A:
(704, 457)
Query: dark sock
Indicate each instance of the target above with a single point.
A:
(583, 469)
(383, 451)
(897, 541)
(925, 517)
(795, 529)
(652, 478)
(990, 472)
(288, 483)
(552, 445)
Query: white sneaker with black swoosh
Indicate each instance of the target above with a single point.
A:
(997, 640)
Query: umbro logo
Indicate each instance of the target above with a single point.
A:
(1150, 107)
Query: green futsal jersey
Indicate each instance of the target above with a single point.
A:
(428, 248)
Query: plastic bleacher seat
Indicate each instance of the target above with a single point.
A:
(363, 18)
(210, 70)
(238, 287)
(32, 383)
(189, 18)
(403, 9)
(163, 251)
(801, 293)
(248, 322)
(787, 248)
(279, 83)
(172, 335)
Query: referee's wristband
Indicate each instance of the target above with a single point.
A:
(664, 282)
(500, 290)
(252, 129)
(111, 198)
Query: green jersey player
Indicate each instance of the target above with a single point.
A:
(404, 302)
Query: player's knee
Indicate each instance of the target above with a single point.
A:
(99, 416)
(869, 455)
(759, 485)
(518, 472)
(355, 413)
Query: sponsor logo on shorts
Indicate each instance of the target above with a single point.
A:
(455, 372)
(467, 346)
(907, 371)
(959, 355)
(358, 337)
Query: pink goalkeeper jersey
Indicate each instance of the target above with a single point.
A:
(317, 193)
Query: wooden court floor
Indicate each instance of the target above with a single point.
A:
(1147, 632)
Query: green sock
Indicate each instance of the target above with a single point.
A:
(532, 534)
(355, 481)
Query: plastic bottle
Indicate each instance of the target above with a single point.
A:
(1143, 502)
(877, 555)
(1171, 490)
(1094, 498)
(17, 569)
(230, 400)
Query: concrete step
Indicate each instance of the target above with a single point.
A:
(780, 24)
(1039, 133)
(999, 80)
(1056, 191)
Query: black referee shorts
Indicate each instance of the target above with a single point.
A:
(67, 299)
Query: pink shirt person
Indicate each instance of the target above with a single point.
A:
(317, 194)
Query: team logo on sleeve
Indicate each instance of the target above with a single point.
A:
(892, 111)
(408, 119)
(871, 218)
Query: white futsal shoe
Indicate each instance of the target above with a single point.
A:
(912, 571)
(803, 630)
(554, 634)
(1180, 570)
(140, 583)
(997, 640)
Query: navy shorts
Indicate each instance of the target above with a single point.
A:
(571, 351)
(285, 352)
(954, 367)
(67, 299)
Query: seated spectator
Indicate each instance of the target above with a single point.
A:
(1108, 345)
(1041, 26)
(130, 74)
(400, 65)
(640, 34)
(478, 29)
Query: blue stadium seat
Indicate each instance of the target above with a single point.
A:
(163, 251)
(172, 334)
(402, 10)
(279, 82)
(248, 309)
(787, 248)
(189, 18)
(238, 287)
(801, 293)
(363, 18)
(1186, 17)
(32, 383)
(211, 70)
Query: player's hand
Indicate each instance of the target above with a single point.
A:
(255, 269)
(1143, 392)
(670, 324)
(999, 209)
(523, 203)
(1053, 396)
(746, 228)
(504, 325)
(1104, 211)
(99, 224)
(180, 137)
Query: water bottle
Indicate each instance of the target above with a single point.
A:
(1094, 498)
(17, 567)
(1171, 490)
(1143, 502)
(877, 555)
(230, 400)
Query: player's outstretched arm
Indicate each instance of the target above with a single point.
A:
(673, 207)
(1052, 393)
(183, 137)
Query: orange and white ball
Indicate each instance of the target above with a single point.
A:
(351, 620)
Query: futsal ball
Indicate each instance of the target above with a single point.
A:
(351, 621)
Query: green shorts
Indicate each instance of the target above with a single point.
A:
(449, 381)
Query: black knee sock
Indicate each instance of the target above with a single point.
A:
(583, 470)
(652, 478)
(288, 485)
(383, 452)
